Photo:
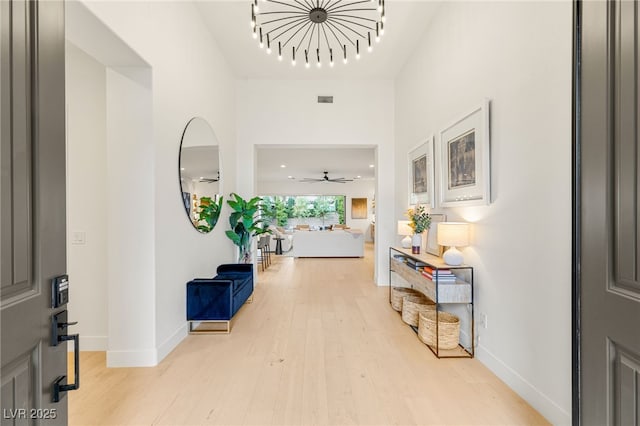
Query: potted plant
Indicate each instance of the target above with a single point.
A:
(244, 224)
(419, 221)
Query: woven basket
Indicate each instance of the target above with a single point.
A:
(412, 305)
(397, 293)
(448, 329)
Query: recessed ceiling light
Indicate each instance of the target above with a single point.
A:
(282, 166)
(371, 165)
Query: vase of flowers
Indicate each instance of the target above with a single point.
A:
(419, 221)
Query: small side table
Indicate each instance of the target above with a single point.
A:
(279, 245)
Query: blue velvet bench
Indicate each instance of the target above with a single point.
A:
(214, 301)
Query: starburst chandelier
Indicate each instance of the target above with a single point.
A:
(319, 31)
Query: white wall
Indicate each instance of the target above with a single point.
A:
(287, 113)
(130, 222)
(518, 54)
(190, 78)
(356, 189)
(87, 172)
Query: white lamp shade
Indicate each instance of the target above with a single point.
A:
(404, 228)
(453, 234)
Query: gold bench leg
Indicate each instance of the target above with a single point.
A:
(210, 327)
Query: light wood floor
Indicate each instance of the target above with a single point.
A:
(319, 345)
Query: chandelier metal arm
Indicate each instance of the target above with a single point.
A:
(305, 35)
(288, 13)
(324, 31)
(287, 4)
(355, 10)
(330, 6)
(292, 24)
(304, 6)
(281, 19)
(337, 38)
(354, 17)
(294, 34)
(354, 23)
(309, 4)
(310, 38)
(353, 3)
(340, 31)
(336, 21)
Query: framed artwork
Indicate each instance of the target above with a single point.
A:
(432, 235)
(465, 174)
(358, 208)
(421, 174)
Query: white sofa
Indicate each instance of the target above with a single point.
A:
(347, 243)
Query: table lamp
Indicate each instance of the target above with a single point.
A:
(452, 235)
(405, 229)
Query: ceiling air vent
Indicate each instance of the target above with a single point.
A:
(325, 99)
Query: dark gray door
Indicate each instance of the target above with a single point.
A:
(32, 207)
(610, 214)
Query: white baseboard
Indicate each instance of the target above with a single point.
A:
(172, 341)
(90, 344)
(541, 402)
(143, 358)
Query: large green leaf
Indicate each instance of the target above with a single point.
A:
(233, 237)
(234, 205)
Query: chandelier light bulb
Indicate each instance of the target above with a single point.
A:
(369, 49)
(261, 45)
(377, 39)
(280, 57)
(331, 64)
(358, 55)
(319, 64)
(293, 62)
(255, 35)
(253, 24)
(306, 65)
(268, 51)
(344, 61)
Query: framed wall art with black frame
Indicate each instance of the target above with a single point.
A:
(422, 175)
(465, 169)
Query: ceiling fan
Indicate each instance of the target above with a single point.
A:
(210, 180)
(326, 178)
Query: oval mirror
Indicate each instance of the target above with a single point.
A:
(199, 168)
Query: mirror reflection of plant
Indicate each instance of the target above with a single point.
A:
(245, 224)
(209, 213)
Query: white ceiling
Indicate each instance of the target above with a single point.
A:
(312, 162)
(229, 21)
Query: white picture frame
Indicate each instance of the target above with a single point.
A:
(465, 169)
(421, 179)
(432, 246)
